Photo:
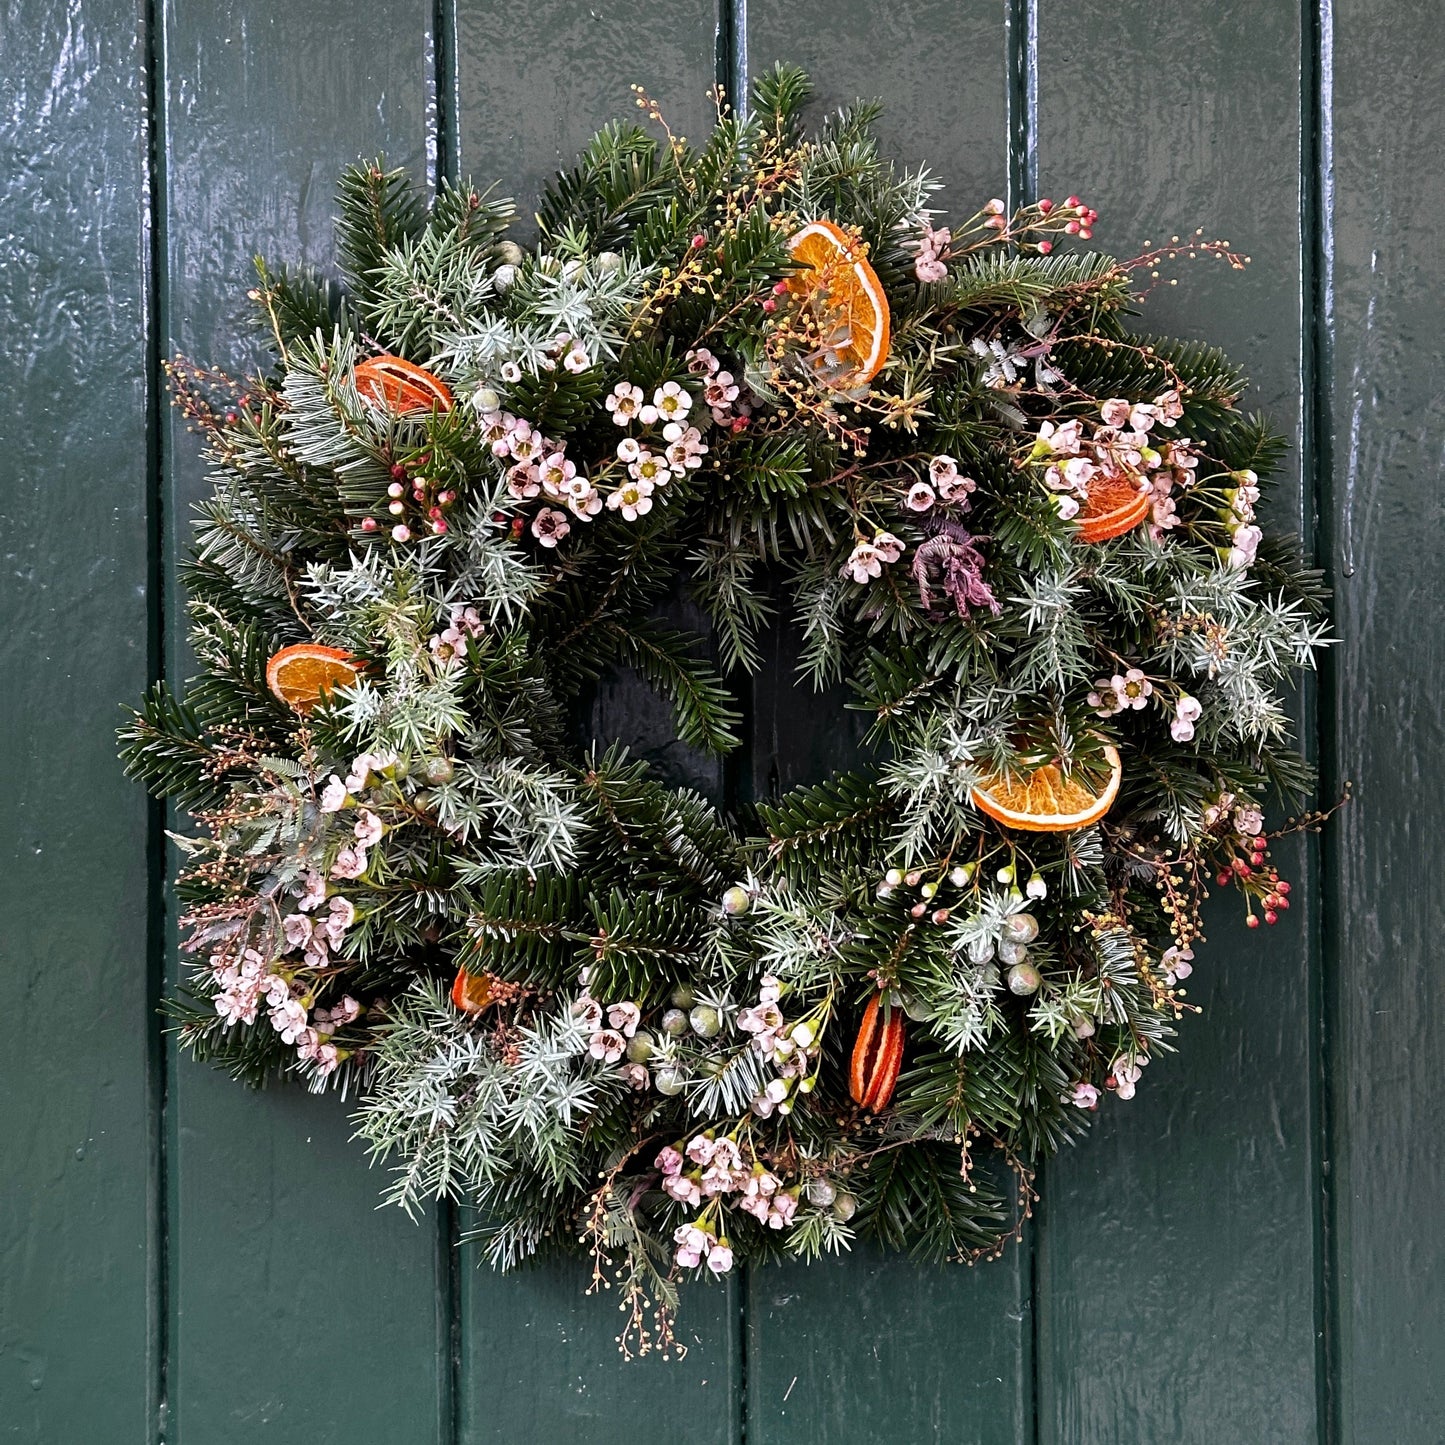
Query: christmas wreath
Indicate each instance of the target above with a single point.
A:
(611, 1016)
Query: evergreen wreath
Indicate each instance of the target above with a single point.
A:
(586, 1001)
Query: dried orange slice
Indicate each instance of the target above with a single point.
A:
(1115, 506)
(1048, 801)
(302, 674)
(397, 385)
(846, 292)
(472, 992)
(877, 1056)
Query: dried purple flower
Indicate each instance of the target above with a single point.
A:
(949, 560)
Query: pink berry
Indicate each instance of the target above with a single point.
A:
(398, 472)
(1045, 206)
(1045, 247)
(1270, 916)
(1223, 878)
(1085, 233)
(770, 304)
(401, 533)
(1282, 887)
(1073, 201)
(1072, 228)
(368, 524)
(780, 288)
(1252, 921)
(699, 241)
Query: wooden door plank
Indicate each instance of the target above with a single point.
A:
(1384, 75)
(302, 1312)
(539, 1360)
(1177, 1259)
(78, 1326)
(871, 1347)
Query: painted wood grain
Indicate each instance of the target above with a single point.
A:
(1178, 1254)
(300, 1312)
(77, 1221)
(1384, 423)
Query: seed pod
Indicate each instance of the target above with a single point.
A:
(877, 1056)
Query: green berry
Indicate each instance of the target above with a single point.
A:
(845, 1206)
(736, 901)
(674, 1023)
(438, 770)
(821, 1192)
(706, 1021)
(640, 1048)
(1024, 978)
(1021, 927)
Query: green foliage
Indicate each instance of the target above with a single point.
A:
(658, 393)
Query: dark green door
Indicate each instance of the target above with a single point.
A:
(1249, 1253)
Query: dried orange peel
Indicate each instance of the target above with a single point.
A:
(301, 675)
(472, 993)
(1047, 800)
(835, 279)
(1116, 505)
(400, 386)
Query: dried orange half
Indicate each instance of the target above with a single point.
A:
(471, 992)
(399, 386)
(302, 674)
(1048, 801)
(1115, 506)
(846, 293)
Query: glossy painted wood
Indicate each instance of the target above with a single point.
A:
(1250, 1251)
(873, 1347)
(77, 1207)
(1385, 68)
(299, 1311)
(1177, 1247)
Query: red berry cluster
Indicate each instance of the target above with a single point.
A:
(1257, 879)
(414, 501)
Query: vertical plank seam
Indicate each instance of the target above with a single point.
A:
(158, 1183)
(1021, 46)
(450, 1316)
(732, 51)
(1317, 236)
(446, 84)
